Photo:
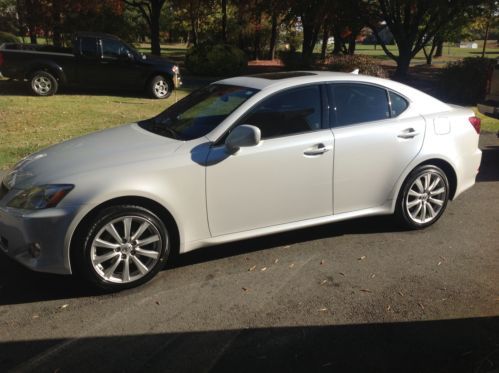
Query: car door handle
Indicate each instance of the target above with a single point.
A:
(318, 149)
(408, 133)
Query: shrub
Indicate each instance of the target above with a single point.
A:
(366, 65)
(294, 60)
(464, 82)
(6, 37)
(215, 60)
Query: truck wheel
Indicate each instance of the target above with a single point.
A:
(43, 83)
(160, 87)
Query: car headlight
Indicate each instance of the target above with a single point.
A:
(40, 197)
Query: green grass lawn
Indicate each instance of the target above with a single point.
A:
(29, 123)
(489, 124)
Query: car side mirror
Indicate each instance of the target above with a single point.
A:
(243, 135)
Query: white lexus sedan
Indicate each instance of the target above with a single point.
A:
(242, 157)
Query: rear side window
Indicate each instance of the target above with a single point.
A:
(398, 104)
(292, 111)
(113, 49)
(358, 103)
(88, 47)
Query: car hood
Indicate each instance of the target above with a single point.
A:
(109, 148)
(156, 60)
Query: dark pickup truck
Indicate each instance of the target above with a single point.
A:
(95, 61)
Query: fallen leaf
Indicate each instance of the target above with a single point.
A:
(421, 305)
(401, 294)
(251, 268)
(388, 308)
(373, 275)
(276, 261)
(323, 282)
(439, 263)
(322, 261)
(157, 302)
(362, 257)
(291, 265)
(323, 309)
(263, 269)
(366, 290)
(341, 273)
(64, 306)
(35, 316)
(244, 289)
(287, 246)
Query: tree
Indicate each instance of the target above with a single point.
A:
(413, 23)
(151, 12)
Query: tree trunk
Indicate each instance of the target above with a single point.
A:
(403, 63)
(310, 35)
(224, 21)
(273, 36)
(258, 20)
(32, 36)
(155, 15)
(440, 48)
(338, 42)
(351, 45)
(56, 19)
(194, 32)
(325, 38)
(486, 38)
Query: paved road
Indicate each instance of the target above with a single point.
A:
(353, 296)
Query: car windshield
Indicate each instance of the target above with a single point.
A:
(198, 113)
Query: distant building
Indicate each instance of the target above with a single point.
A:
(468, 44)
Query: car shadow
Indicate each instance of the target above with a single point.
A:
(20, 285)
(446, 346)
(489, 168)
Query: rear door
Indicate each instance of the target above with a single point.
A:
(373, 145)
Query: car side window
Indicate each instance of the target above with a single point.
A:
(398, 104)
(88, 47)
(292, 111)
(357, 103)
(113, 49)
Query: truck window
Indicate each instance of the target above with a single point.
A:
(113, 49)
(88, 47)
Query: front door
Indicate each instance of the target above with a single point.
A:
(286, 178)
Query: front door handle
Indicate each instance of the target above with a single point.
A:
(318, 149)
(408, 133)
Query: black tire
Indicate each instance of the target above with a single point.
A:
(408, 203)
(160, 87)
(43, 83)
(86, 249)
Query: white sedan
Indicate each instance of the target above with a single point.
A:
(240, 158)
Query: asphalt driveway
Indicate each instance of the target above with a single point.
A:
(352, 296)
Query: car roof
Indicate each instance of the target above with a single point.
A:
(100, 35)
(267, 82)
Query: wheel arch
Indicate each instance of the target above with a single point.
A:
(157, 208)
(49, 67)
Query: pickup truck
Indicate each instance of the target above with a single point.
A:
(96, 60)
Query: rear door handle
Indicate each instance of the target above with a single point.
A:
(318, 149)
(408, 133)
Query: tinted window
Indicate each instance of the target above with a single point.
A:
(357, 103)
(199, 113)
(399, 104)
(293, 111)
(88, 47)
(113, 49)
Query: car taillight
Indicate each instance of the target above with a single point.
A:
(476, 123)
(1, 59)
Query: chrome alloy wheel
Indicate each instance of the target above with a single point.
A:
(126, 249)
(42, 85)
(161, 88)
(426, 198)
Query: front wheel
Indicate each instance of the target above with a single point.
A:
(160, 87)
(423, 198)
(43, 83)
(125, 246)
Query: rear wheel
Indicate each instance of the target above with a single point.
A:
(423, 198)
(43, 83)
(125, 246)
(160, 87)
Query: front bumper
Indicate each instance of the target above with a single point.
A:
(20, 229)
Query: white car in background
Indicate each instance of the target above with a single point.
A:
(240, 158)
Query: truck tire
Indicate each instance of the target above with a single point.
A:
(160, 87)
(43, 83)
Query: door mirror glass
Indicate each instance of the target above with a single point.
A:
(243, 135)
